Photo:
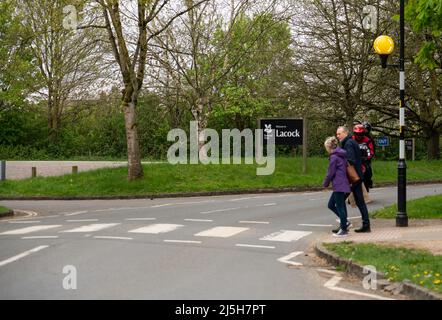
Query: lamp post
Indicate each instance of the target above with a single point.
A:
(384, 45)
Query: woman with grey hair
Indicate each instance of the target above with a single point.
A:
(337, 175)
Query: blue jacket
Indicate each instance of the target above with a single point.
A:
(337, 171)
(353, 154)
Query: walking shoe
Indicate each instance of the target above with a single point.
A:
(340, 233)
(363, 229)
(349, 225)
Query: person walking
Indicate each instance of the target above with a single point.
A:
(355, 159)
(337, 175)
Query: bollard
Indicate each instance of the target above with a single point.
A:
(74, 169)
(34, 172)
(2, 170)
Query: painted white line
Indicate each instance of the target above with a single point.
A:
(22, 255)
(239, 199)
(311, 193)
(82, 220)
(286, 235)
(29, 214)
(199, 220)
(255, 222)
(28, 221)
(221, 232)
(314, 225)
(349, 218)
(182, 241)
(331, 284)
(269, 204)
(221, 210)
(92, 227)
(162, 205)
(140, 219)
(74, 213)
(113, 238)
(286, 259)
(328, 271)
(157, 228)
(253, 246)
(40, 237)
(29, 229)
(194, 202)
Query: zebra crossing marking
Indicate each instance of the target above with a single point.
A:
(157, 228)
(29, 229)
(220, 232)
(92, 227)
(286, 235)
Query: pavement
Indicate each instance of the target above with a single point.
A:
(420, 234)
(16, 170)
(248, 246)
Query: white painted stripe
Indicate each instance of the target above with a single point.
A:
(269, 204)
(327, 271)
(255, 222)
(349, 218)
(182, 241)
(75, 213)
(311, 193)
(402, 116)
(239, 199)
(314, 225)
(140, 219)
(162, 205)
(29, 229)
(157, 228)
(286, 236)
(199, 220)
(331, 284)
(22, 255)
(286, 259)
(221, 210)
(82, 220)
(24, 221)
(93, 227)
(221, 232)
(40, 237)
(113, 238)
(402, 80)
(253, 246)
(401, 149)
(194, 202)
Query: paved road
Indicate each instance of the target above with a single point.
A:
(225, 247)
(16, 170)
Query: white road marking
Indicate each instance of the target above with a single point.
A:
(92, 227)
(28, 221)
(113, 238)
(349, 218)
(253, 246)
(74, 213)
(286, 259)
(286, 235)
(239, 199)
(29, 214)
(221, 210)
(255, 222)
(30, 229)
(82, 220)
(157, 228)
(311, 193)
(40, 237)
(199, 220)
(22, 255)
(162, 205)
(269, 204)
(221, 232)
(183, 241)
(331, 284)
(314, 225)
(328, 271)
(140, 219)
(194, 202)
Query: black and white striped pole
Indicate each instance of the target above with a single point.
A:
(384, 46)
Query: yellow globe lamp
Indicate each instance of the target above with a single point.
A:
(384, 46)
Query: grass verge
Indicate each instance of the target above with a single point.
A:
(398, 264)
(167, 178)
(429, 207)
(4, 210)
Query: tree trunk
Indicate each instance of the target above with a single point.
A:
(135, 170)
(433, 147)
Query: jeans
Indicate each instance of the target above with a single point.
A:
(337, 205)
(360, 203)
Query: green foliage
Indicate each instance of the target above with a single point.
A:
(425, 17)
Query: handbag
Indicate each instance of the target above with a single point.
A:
(352, 175)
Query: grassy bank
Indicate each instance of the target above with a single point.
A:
(418, 266)
(166, 178)
(4, 210)
(424, 208)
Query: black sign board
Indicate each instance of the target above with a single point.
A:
(285, 131)
(409, 144)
